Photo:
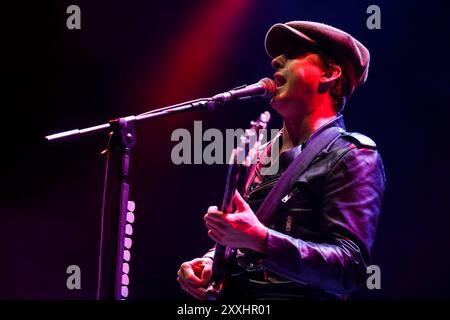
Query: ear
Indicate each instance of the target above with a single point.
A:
(328, 77)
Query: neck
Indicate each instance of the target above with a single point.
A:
(297, 131)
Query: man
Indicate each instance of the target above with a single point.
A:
(319, 248)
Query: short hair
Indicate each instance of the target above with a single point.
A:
(340, 89)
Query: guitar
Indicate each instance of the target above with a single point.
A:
(239, 164)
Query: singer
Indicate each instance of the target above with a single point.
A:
(320, 245)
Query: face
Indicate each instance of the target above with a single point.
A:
(297, 76)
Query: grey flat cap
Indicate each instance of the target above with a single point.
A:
(346, 51)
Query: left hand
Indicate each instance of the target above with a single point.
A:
(241, 229)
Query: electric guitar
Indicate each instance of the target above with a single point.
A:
(239, 165)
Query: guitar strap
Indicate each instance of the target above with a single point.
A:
(268, 209)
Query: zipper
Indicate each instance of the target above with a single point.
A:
(287, 197)
(288, 223)
(290, 194)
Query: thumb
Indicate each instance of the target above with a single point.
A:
(240, 203)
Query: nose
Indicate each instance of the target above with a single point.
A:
(279, 61)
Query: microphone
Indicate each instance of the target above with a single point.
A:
(265, 87)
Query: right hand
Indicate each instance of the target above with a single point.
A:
(194, 277)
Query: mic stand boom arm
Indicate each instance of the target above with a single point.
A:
(198, 104)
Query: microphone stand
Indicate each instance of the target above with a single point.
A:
(198, 104)
(112, 282)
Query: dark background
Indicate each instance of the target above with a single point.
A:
(133, 56)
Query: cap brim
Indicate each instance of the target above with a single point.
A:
(282, 38)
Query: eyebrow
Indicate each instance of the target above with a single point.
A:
(297, 52)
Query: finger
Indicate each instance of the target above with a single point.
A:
(193, 291)
(197, 265)
(197, 293)
(212, 209)
(221, 219)
(206, 275)
(218, 222)
(182, 282)
(217, 230)
(187, 273)
(201, 293)
(189, 288)
(215, 237)
(240, 203)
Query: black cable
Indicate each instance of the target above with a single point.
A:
(102, 217)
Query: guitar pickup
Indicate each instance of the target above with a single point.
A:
(248, 260)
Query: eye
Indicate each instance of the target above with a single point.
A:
(296, 53)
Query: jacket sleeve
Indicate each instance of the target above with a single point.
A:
(350, 205)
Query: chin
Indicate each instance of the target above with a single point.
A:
(279, 102)
(277, 105)
(275, 102)
(286, 108)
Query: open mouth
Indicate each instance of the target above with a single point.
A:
(279, 79)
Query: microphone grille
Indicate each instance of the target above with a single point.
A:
(270, 86)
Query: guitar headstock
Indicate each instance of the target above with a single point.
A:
(251, 140)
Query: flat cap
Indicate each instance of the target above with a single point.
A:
(342, 48)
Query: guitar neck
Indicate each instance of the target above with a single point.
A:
(241, 159)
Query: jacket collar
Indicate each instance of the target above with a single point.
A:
(337, 121)
(288, 156)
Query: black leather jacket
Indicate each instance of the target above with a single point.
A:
(320, 245)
